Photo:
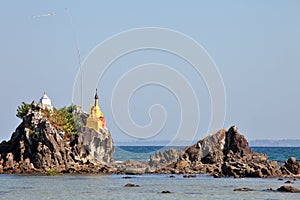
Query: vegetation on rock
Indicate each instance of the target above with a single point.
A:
(50, 172)
(23, 109)
(63, 119)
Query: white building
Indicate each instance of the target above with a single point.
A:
(45, 101)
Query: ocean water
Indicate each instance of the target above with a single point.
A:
(151, 186)
(139, 152)
(280, 154)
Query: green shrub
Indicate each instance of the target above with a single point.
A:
(34, 132)
(65, 119)
(51, 172)
(62, 118)
(23, 109)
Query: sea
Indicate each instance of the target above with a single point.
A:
(150, 186)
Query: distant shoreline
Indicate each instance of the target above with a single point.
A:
(275, 143)
(252, 143)
(185, 146)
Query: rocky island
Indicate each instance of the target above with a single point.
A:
(55, 141)
(225, 153)
(50, 141)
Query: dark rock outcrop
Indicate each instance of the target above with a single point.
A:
(225, 153)
(38, 146)
(292, 165)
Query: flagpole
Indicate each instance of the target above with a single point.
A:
(78, 56)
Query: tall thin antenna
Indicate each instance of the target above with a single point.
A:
(78, 56)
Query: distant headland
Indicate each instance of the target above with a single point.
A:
(275, 143)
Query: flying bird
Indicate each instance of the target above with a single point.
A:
(44, 15)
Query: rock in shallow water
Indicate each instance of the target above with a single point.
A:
(292, 165)
(243, 189)
(131, 185)
(290, 189)
(289, 182)
(189, 176)
(127, 177)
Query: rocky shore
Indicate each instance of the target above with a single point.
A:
(40, 147)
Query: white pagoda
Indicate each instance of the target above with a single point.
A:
(45, 101)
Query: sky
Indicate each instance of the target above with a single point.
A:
(255, 46)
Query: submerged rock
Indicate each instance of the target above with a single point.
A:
(243, 189)
(290, 189)
(289, 182)
(131, 185)
(189, 176)
(127, 177)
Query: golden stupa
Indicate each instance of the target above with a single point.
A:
(96, 118)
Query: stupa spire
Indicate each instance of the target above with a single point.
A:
(96, 95)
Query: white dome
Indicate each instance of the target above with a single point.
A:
(45, 100)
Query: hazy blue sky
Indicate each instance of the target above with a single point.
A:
(255, 45)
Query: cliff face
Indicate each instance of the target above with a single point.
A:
(38, 145)
(90, 146)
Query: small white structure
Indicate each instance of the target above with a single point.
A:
(45, 101)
